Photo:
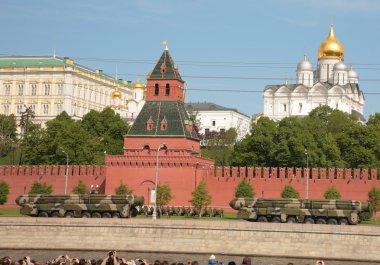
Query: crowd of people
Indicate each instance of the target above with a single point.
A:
(113, 259)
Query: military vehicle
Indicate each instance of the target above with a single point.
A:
(85, 206)
(300, 211)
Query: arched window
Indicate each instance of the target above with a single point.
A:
(167, 90)
(156, 89)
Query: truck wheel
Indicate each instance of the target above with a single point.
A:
(276, 219)
(343, 221)
(96, 215)
(69, 214)
(86, 215)
(309, 220)
(354, 219)
(116, 215)
(321, 221)
(262, 219)
(55, 214)
(43, 214)
(106, 215)
(332, 221)
(291, 219)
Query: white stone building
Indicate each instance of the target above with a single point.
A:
(331, 83)
(50, 85)
(137, 101)
(216, 118)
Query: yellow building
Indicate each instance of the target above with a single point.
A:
(50, 85)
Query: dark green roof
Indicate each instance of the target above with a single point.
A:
(51, 61)
(171, 69)
(172, 111)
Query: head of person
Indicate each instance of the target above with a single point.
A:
(212, 260)
(246, 261)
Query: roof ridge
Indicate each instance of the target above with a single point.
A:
(158, 117)
(180, 118)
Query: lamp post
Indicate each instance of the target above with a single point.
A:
(67, 168)
(154, 216)
(307, 174)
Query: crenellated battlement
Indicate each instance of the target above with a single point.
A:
(294, 174)
(49, 170)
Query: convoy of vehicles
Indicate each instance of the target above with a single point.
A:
(300, 211)
(85, 206)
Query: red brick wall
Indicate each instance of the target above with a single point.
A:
(21, 178)
(183, 173)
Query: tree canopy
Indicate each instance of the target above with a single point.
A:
(164, 194)
(8, 128)
(331, 137)
(122, 189)
(85, 141)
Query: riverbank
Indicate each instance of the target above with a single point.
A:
(238, 238)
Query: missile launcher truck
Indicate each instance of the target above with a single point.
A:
(300, 211)
(84, 206)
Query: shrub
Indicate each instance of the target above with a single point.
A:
(40, 188)
(332, 193)
(122, 189)
(80, 188)
(244, 190)
(4, 191)
(290, 192)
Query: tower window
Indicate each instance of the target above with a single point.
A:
(167, 90)
(149, 124)
(284, 106)
(300, 107)
(156, 89)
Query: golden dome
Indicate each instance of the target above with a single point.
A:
(138, 85)
(148, 75)
(116, 94)
(331, 48)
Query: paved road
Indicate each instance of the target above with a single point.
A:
(171, 257)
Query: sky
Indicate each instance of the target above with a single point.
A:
(227, 51)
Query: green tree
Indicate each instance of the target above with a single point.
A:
(4, 192)
(289, 192)
(80, 189)
(164, 194)
(220, 147)
(244, 190)
(40, 188)
(108, 128)
(200, 197)
(8, 128)
(122, 189)
(332, 193)
(374, 199)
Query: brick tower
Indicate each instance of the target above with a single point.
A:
(163, 131)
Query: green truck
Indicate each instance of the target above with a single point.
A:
(300, 211)
(84, 206)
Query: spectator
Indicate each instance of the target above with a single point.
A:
(212, 260)
(246, 261)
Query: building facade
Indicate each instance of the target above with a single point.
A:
(331, 84)
(216, 118)
(50, 85)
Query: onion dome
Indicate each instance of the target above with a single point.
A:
(138, 85)
(116, 94)
(304, 65)
(331, 48)
(340, 66)
(352, 73)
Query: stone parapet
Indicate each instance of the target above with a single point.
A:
(358, 243)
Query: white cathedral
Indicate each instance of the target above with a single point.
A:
(330, 84)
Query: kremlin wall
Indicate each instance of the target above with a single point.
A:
(183, 175)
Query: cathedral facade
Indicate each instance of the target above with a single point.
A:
(331, 84)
